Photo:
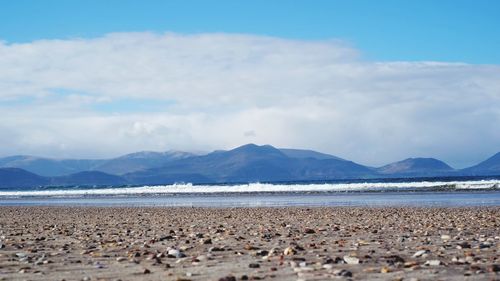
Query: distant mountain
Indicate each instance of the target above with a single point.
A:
(247, 163)
(88, 178)
(416, 167)
(250, 163)
(489, 167)
(48, 167)
(139, 161)
(15, 177)
(302, 154)
(125, 164)
(19, 178)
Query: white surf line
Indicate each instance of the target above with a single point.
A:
(255, 187)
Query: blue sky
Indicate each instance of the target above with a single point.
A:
(370, 81)
(406, 30)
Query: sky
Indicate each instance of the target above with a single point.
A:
(370, 81)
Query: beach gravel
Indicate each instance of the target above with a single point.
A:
(341, 243)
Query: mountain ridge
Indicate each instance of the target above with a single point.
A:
(246, 163)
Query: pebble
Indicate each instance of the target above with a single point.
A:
(206, 241)
(494, 268)
(215, 249)
(176, 253)
(254, 265)
(262, 253)
(228, 278)
(20, 255)
(309, 231)
(445, 237)
(464, 245)
(289, 251)
(351, 260)
(342, 272)
(327, 266)
(249, 247)
(303, 269)
(385, 269)
(420, 253)
(433, 262)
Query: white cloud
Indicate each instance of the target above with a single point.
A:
(66, 98)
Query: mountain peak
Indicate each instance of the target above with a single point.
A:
(256, 148)
(490, 166)
(415, 165)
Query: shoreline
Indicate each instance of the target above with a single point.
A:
(270, 243)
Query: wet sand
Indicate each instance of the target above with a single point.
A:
(60, 243)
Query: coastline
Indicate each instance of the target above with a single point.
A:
(288, 243)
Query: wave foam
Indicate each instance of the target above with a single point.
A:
(259, 187)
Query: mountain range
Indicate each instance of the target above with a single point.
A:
(247, 163)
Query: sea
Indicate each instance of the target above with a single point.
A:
(417, 192)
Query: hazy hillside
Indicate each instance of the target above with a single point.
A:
(417, 167)
(247, 163)
(490, 166)
(15, 177)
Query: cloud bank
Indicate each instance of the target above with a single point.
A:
(127, 92)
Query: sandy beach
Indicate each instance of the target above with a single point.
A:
(64, 243)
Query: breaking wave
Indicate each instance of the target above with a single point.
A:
(260, 188)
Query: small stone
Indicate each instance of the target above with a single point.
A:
(410, 264)
(385, 269)
(309, 231)
(445, 237)
(175, 254)
(215, 249)
(419, 253)
(351, 260)
(229, 278)
(120, 259)
(262, 253)
(303, 269)
(494, 268)
(433, 262)
(146, 271)
(289, 251)
(20, 255)
(249, 247)
(202, 258)
(254, 265)
(342, 272)
(394, 259)
(206, 241)
(484, 245)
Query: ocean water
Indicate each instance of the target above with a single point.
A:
(379, 193)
